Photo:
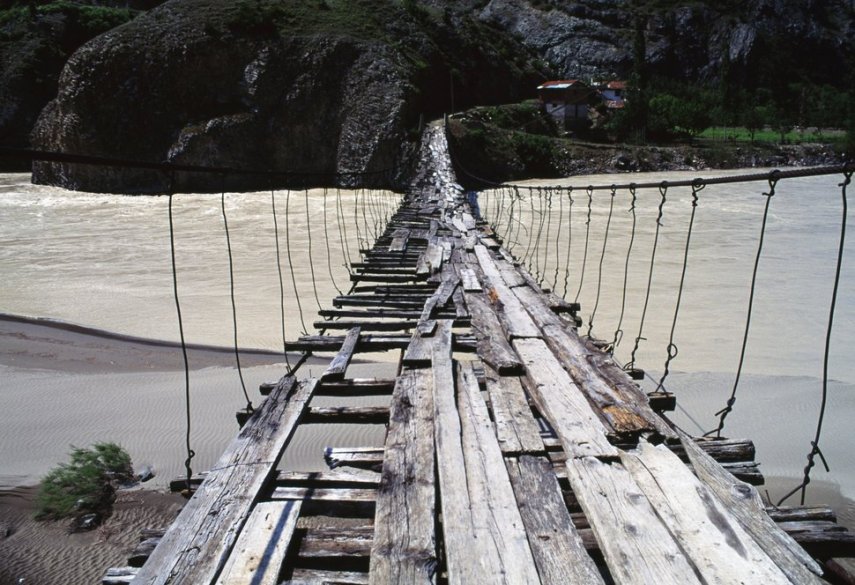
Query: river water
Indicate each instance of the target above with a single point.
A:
(104, 261)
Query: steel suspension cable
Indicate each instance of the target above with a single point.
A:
(663, 191)
(232, 297)
(281, 280)
(722, 414)
(291, 260)
(672, 350)
(814, 445)
(602, 259)
(311, 259)
(590, 191)
(558, 240)
(187, 419)
(569, 240)
(327, 243)
(342, 228)
(618, 331)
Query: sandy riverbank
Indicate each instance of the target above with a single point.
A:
(63, 385)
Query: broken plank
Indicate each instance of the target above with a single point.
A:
(338, 366)
(321, 577)
(404, 548)
(260, 549)
(562, 403)
(557, 547)
(399, 240)
(197, 544)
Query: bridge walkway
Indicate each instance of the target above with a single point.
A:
(516, 451)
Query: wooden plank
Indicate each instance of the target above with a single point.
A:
(721, 551)
(366, 325)
(493, 347)
(744, 502)
(626, 408)
(197, 544)
(486, 536)
(418, 353)
(470, 280)
(516, 429)
(346, 415)
(339, 477)
(321, 577)
(508, 307)
(399, 240)
(557, 547)
(433, 257)
(636, 546)
(404, 548)
(307, 494)
(338, 366)
(260, 549)
(580, 430)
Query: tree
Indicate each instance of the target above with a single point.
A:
(754, 119)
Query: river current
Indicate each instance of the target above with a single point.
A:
(103, 261)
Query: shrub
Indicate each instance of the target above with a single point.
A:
(86, 484)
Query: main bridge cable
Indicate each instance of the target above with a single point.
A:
(168, 167)
(722, 414)
(602, 258)
(672, 350)
(618, 331)
(187, 419)
(814, 445)
(663, 192)
(249, 408)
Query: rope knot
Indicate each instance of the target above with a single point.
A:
(773, 181)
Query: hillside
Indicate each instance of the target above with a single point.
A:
(323, 86)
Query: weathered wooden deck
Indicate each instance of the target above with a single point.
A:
(516, 452)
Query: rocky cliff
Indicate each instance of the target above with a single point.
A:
(304, 87)
(36, 39)
(686, 40)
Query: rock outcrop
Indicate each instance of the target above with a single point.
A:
(593, 38)
(35, 43)
(317, 88)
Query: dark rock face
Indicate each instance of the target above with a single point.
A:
(177, 85)
(34, 45)
(593, 38)
(165, 89)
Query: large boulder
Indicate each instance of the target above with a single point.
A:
(313, 88)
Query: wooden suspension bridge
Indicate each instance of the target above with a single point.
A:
(517, 451)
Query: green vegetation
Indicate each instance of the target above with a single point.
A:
(88, 19)
(86, 484)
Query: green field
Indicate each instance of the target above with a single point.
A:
(740, 134)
